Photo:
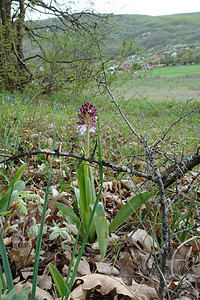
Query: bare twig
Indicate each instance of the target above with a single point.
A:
(185, 230)
(182, 116)
(76, 156)
(104, 83)
(165, 222)
(189, 163)
(180, 168)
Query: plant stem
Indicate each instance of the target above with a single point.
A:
(88, 141)
(87, 147)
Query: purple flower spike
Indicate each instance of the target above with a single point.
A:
(87, 118)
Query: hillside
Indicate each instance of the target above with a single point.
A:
(153, 34)
(158, 33)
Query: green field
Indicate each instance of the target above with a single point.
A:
(174, 83)
(151, 100)
(30, 120)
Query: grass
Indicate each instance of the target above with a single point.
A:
(177, 72)
(149, 118)
(163, 83)
(22, 117)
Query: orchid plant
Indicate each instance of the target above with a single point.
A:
(86, 196)
(92, 220)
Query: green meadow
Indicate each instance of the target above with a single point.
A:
(150, 117)
(172, 83)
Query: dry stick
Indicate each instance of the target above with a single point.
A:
(71, 154)
(180, 168)
(165, 224)
(105, 85)
(189, 163)
(165, 283)
(157, 179)
(182, 116)
(195, 226)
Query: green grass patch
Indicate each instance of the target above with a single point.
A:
(176, 71)
(149, 118)
(172, 83)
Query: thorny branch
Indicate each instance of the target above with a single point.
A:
(104, 83)
(165, 222)
(189, 163)
(180, 168)
(182, 116)
(163, 180)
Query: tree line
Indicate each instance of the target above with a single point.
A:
(65, 45)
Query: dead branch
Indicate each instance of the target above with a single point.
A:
(182, 116)
(60, 61)
(179, 169)
(176, 170)
(71, 154)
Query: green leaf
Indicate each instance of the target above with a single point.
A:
(6, 264)
(81, 176)
(2, 281)
(70, 213)
(59, 281)
(102, 229)
(18, 175)
(86, 218)
(86, 197)
(128, 209)
(99, 212)
(11, 293)
(23, 294)
(0, 286)
(10, 195)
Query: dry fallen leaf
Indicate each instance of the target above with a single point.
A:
(44, 282)
(127, 267)
(141, 252)
(21, 254)
(84, 267)
(143, 291)
(40, 293)
(103, 284)
(115, 286)
(106, 269)
(179, 259)
(7, 241)
(143, 240)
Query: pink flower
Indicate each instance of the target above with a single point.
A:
(87, 118)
